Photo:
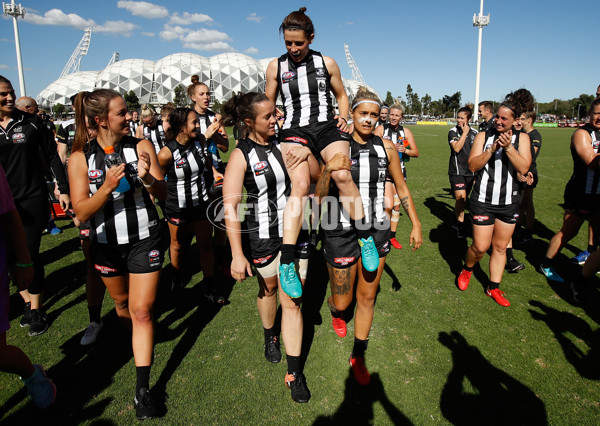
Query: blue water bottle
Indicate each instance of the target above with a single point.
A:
(112, 159)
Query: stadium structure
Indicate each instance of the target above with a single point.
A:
(154, 82)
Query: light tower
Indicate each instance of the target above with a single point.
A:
(81, 50)
(16, 11)
(479, 21)
(356, 75)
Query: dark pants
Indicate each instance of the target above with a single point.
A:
(34, 215)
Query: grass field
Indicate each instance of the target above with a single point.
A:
(437, 355)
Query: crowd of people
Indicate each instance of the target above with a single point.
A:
(350, 163)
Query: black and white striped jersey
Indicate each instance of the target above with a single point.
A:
(305, 90)
(496, 183)
(133, 125)
(186, 186)
(368, 167)
(586, 179)
(267, 186)
(459, 161)
(210, 149)
(156, 135)
(126, 217)
(66, 133)
(395, 135)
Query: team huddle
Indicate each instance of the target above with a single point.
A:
(349, 166)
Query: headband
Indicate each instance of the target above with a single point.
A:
(366, 101)
(510, 108)
(293, 27)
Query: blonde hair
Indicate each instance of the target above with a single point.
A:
(147, 111)
(364, 94)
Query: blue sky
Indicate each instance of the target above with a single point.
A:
(544, 46)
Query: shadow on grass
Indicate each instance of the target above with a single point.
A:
(564, 324)
(451, 248)
(497, 398)
(82, 374)
(357, 407)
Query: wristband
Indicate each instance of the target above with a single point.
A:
(507, 149)
(342, 118)
(23, 265)
(151, 183)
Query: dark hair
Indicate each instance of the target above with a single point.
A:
(167, 109)
(5, 80)
(593, 104)
(195, 79)
(298, 20)
(486, 105)
(192, 88)
(88, 106)
(241, 107)
(531, 114)
(466, 109)
(519, 101)
(177, 119)
(384, 106)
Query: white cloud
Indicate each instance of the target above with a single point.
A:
(120, 28)
(144, 9)
(251, 50)
(202, 39)
(190, 18)
(58, 17)
(5, 40)
(254, 17)
(4, 67)
(147, 34)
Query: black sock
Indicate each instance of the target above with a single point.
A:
(209, 282)
(288, 252)
(94, 312)
(293, 363)
(392, 234)
(270, 332)
(363, 231)
(509, 253)
(360, 346)
(466, 268)
(591, 248)
(546, 262)
(492, 285)
(143, 378)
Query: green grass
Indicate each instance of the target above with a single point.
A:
(437, 355)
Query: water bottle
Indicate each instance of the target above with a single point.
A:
(112, 159)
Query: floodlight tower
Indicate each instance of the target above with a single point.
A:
(80, 51)
(356, 75)
(16, 11)
(479, 21)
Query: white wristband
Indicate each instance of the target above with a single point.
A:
(152, 183)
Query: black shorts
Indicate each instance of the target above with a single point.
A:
(341, 249)
(138, 258)
(486, 214)
(581, 204)
(317, 136)
(184, 216)
(535, 181)
(85, 229)
(302, 250)
(461, 183)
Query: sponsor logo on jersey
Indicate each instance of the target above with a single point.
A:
(262, 260)
(596, 144)
(353, 163)
(180, 163)
(481, 218)
(288, 76)
(71, 133)
(18, 138)
(154, 253)
(296, 139)
(344, 260)
(152, 223)
(84, 232)
(261, 168)
(320, 72)
(459, 185)
(175, 220)
(95, 176)
(260, 165)
(104, 269)
(18, 129)
(154, 257)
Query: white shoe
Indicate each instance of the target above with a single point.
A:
(91, 333)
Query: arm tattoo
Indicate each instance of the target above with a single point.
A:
(404, 202)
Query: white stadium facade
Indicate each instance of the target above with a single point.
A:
(154, 81)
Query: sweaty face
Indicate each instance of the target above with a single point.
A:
(395, 116)
(297, 43)
(264, 121)
(504, 119)
(7, 98)
(365, 118)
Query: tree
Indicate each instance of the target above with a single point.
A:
(409, 99)
(217, 106)
(180, 98)
(426, 104)
(389, 99)
(132, 100)
(58, 109)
